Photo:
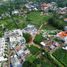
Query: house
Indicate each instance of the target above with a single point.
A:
(63, 35)
(65, 19)
(45, 7)
(49, 45)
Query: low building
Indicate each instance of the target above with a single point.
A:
(31, 6)
(65, 47)
(15, 12)
(30, 29)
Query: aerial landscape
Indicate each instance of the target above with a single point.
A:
(33, 33)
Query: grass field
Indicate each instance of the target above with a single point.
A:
(21, 21)
(34, 50)
(61, 55)
(37, 19)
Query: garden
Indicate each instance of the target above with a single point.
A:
(61, 55)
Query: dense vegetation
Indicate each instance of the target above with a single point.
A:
(38, 38)
(56, 22)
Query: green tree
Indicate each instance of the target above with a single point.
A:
(28, 37)
(38, 38)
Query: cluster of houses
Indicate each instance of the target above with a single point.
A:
(62, 11)
(49, 43)
(17, 44)
(48, 6)
(63, 36)
(42, 6)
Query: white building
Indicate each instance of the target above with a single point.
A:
(15, 12)
(2, 47)
(30, 29)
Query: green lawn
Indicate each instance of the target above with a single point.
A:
(37, 19)
(34, 50)
(61, 55)
(31, 58)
